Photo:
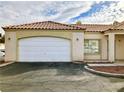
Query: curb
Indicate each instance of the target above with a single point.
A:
(103, 73)
(105, 64)
(5, 64)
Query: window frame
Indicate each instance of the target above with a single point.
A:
(99, 45)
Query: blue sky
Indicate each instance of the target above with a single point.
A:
(103, 12)
(95, 8)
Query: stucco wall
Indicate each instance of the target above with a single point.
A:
(10, 46)
(119, 48)
(78, 46)
(103, 46)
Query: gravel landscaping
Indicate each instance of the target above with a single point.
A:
(54, 77)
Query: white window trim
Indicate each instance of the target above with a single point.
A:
(99, 51)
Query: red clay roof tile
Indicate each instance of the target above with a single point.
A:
(94, 27)
(50, 25)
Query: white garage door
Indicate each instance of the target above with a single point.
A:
(44, 49)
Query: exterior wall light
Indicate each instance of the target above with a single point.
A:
(9, 38)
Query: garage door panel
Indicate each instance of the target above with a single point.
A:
(44, 49)
(44, 54)
(46, 39)
(45, 44)
(44, 60)
(52, 55)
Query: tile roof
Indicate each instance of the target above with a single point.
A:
(50, 25)
(45, 25)
(119, 26)
(94, 27)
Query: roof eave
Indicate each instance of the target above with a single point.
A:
(37, 29)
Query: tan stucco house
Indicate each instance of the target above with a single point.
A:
(49, 41)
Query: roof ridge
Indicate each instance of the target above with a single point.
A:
(64, 24)
(42, 22)
(26, 23)
(93, 24)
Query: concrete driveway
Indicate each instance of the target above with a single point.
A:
(63, 77)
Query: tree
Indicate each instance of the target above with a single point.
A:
(78, 22)
(2, 40)
(116, 23)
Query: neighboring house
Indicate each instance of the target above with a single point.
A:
(56, 42)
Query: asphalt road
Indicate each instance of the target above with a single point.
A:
(54, 77)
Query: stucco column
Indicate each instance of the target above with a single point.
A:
(10, 46)
(78, 46)
(111, 43)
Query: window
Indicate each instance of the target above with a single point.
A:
(91, 46)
